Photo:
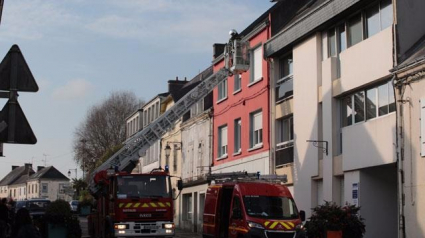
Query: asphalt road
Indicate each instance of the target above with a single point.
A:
(179, 233)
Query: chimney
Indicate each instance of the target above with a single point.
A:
(218, 49)
(39, 168)
(175, 85)
(14, 167)
(28, 166)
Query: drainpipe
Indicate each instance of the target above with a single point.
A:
(272, 117)
(399, 155)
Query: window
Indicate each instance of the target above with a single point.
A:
(284, 86)
(355, 30)
(44, 188)
(237, 138)
(332, 42)
(368, 104)
(236, 207)
(285, 129)
(371, 103)
(386, 14)
(342, 38)
(256, 129)
(145, 118)
(372, 21)
(157, 110)
(198, 108)
(359, 101)
(285, 141)
(187, 206)
(363, 25)
(256, 65)
(222, 141)
(237, 82)
(222, 90)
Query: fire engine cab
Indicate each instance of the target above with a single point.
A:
(132, 205)
(242, 206)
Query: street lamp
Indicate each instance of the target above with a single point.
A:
(69, 173)
(167, 150)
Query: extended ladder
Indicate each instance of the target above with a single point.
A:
(235, 51)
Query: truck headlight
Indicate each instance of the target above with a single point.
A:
(168, 226)
(121, 226)
(255, 225)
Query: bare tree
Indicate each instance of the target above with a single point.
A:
(103, 130)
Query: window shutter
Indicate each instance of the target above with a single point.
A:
(224, 136)
(258, 121)
(257, 63)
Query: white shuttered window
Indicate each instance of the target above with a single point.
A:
(256, 135)
(256, 67)
(222, 141)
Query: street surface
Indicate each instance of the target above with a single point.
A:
(179, 233)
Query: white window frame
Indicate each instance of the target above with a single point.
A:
(222, 91)
(256, 129)
(237, 136)
(254, 76)
(222, 142)
(237, 83)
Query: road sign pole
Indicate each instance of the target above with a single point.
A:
(13, 95)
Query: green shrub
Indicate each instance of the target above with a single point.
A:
(58, 213)
(331, 217)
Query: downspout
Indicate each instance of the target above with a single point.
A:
(271, 106)
(272, 116)
(398, 130)
(399, 155)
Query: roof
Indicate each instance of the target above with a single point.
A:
(22, 180)
(309, 18)
(157, 96)
(177, 95)
(15, 174)
(48, 173)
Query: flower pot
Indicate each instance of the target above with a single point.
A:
(333, 234)
(56, 231)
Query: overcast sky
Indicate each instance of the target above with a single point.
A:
(81, 50)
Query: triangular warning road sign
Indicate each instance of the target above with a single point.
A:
(22, 132)
(25, 80)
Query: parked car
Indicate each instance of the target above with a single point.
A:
(74, 205)
(36, 207)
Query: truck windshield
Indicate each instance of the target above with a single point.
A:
(270, 207)
(143, 186)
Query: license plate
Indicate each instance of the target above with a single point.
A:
(148, 227)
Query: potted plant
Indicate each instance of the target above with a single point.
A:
(332, 221)
(60, 221)
(86, 202)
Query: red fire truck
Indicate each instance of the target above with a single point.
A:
(131, 205)
(245, 207)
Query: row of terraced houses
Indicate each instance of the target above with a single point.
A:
(333, 99)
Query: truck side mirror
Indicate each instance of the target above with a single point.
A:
(302, 215)
(180, 184)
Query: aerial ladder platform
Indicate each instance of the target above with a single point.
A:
(236, 57)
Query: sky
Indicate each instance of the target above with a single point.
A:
(80, 51)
